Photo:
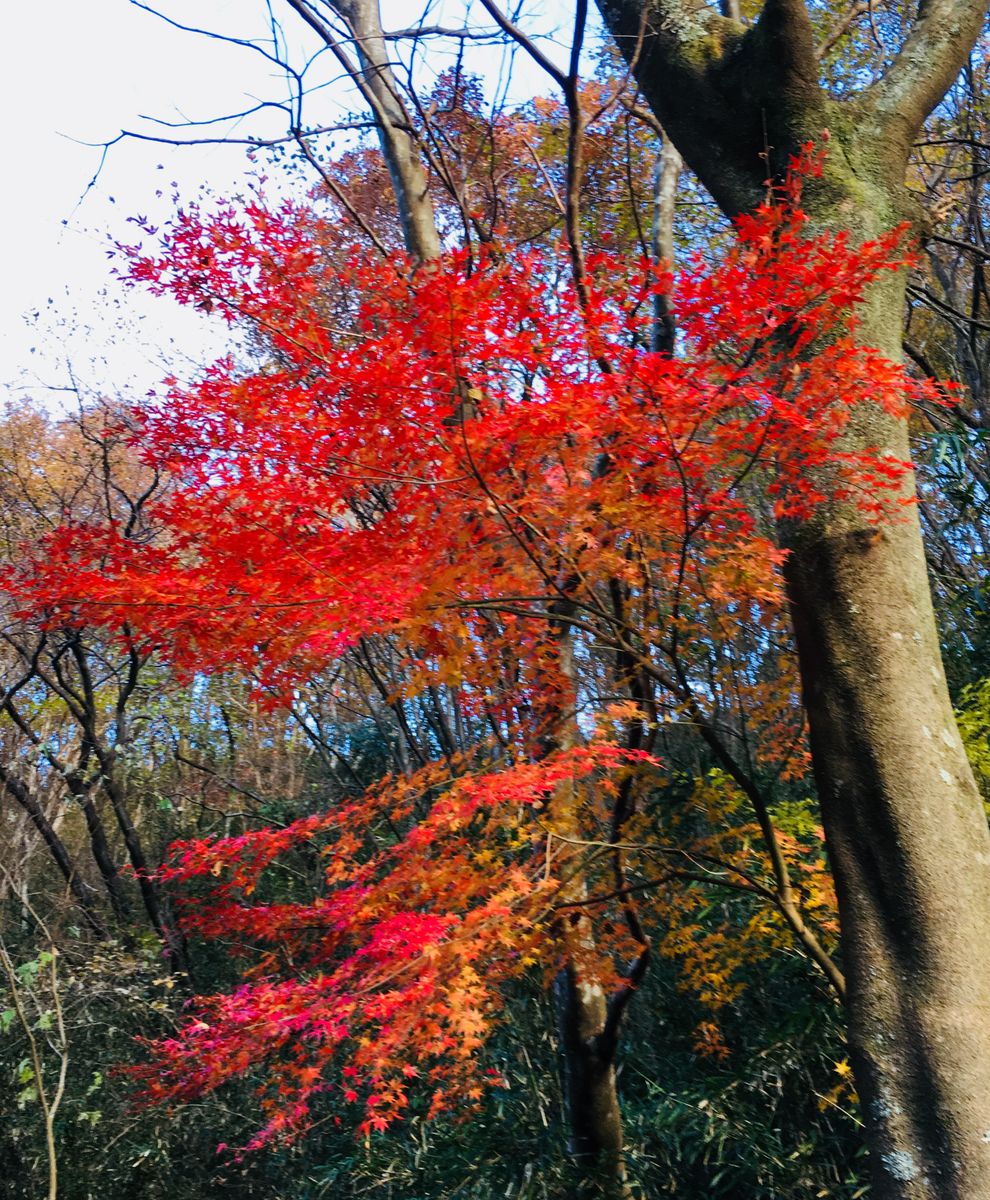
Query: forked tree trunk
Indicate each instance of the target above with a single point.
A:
(591, 1099)
(100, 848)
(906, 830)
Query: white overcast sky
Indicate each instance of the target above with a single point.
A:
(73, 72)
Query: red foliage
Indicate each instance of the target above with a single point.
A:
(395, 973)
(443, 460)
(335, 492)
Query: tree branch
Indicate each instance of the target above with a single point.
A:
(934, 52)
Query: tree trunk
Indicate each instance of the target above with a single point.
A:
(172, 939)
(906, 830)
(402, 155)
(100, 847)
(586, 1036)
(665, 181)
(377, 84)
(594, 1117)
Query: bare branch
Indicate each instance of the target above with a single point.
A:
(526, 42)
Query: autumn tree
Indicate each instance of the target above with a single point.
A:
(736, 99)
(900, 806)
(293, 530)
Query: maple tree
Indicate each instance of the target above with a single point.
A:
(305, 513)
(481, 454)
(719, 898)
(386, 968)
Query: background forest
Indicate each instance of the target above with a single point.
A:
(670, 1016)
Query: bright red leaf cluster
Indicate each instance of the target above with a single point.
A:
(394, 973)
(435, 456)
(449, 455)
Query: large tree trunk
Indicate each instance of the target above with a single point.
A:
(906, 830)
(907, 838)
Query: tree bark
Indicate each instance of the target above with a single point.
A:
(100, 847)
(376, 81)
(907, 839)
(668, 174)
(594, 1116)
(906, 830)
(29, 802)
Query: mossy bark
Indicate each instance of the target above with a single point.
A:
(906, 830)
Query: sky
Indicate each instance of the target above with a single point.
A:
(73, 73)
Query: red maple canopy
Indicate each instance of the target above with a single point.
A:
(467, 458)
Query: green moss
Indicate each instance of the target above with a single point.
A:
(973, 719)
(707, 39)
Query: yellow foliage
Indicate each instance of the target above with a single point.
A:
(973, 719)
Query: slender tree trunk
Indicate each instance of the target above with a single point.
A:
(594, 1116)
(375, 79)
(100, 848)
(586, 1042)
(395, 132)
(30, 803)
(667, 176)
(591, 1097)
(172, 940)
